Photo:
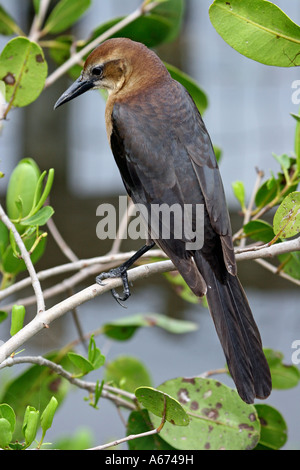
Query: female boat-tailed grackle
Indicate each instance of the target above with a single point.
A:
(165, 156)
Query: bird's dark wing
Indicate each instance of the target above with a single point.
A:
(165, 155)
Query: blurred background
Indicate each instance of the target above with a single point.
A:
(248, 118)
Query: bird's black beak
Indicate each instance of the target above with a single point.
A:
(77, 88)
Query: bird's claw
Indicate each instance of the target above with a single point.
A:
(121, 272)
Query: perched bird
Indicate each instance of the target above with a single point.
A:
(165, 155)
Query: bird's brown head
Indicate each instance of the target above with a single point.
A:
(117, 65)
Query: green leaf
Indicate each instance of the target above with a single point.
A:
(284, 160)
(83, 364)
(273, 428)
(13, 265)
(8, 413)
(257, 29)
(17, 319)
(286, 222)
(219, 419)
(127, 373)
(7, 25)
(267, 192)
(259, 230)
(40, 218)
(30, 424)
(94, 354)
(3, 316)
(163, 405)
(65, 14)
(4, 239)
(161, 25)
(22, 184)
(181, 287)
(48, 414)
(139, 422)
(124, 328)
(297, 141)
(291, 264)
(284, 376)
(191, 86)
(24, 70)
(81, 439)
(239, 192)
(5, 433)
(36, 385)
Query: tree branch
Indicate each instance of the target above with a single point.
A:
(26, 258)
(74, 59)
(108, 392)
(45, 318)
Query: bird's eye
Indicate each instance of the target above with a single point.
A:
(97, 70)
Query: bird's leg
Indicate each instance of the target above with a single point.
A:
(121, 271)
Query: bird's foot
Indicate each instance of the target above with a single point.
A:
(121, 272)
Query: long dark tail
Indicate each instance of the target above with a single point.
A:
(238, 333)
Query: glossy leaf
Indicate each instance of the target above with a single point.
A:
(239, 192)
(22, 185)
(286, 222)
(5, 433)
(259, 230)
(4, 239)
(65, 14)
(284, 376)
(267, 192)
(40, 218)
(124, 328)
(24, 70)
(163, 405)
(94, 354)
(297, 141)
(284, 160)
(36, 385)
(127, 373)
(290, 264)
(219, 419)
(48, 414)
(81, 363)
(161, 25)
(8, 413)
(259, 30)
(30, 424)
(7, 25)
(3, 315)
(181, 287)
(139, 422)
(17, 319)
(273, 434)
(14, 265)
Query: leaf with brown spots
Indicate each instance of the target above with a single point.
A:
(24, 70)
(219, 419)
(162, 405)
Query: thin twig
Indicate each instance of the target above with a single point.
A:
(26, 258)
(136, 436)
(38, 20)
(76, 266)
(248, 211)
(275, 270)
(74, 59)
(248, 253)
(45, 318)
(64, 247)
(108, 392)
(122, 227)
